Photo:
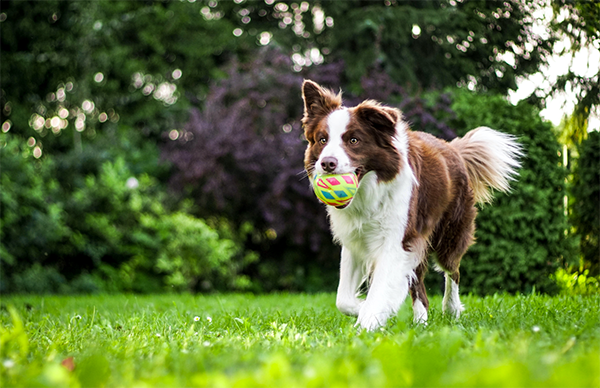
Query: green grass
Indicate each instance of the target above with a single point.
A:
(294, 340)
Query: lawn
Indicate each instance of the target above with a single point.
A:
(290, 340)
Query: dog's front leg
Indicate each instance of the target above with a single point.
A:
(351, 276)
(388, 290)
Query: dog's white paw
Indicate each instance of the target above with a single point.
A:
(454, 309)
(349, 307)
(371, 320)
(420, 313)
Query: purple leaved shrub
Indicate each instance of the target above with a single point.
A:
(240, 157)
(242, 154)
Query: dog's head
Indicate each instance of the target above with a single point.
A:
(343, 140)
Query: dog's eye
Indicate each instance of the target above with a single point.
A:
(323, 141)
(353, 140)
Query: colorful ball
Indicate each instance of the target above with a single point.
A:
(335, 189)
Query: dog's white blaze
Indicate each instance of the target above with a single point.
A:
(337, 122)
(451, 302)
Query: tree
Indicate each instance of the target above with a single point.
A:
(577, 23)
(67, 65)
(585, 202)
(76, 72)
(434, 44)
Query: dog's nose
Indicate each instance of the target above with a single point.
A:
(329, 164)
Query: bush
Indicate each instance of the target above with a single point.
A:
(194, 257)
(521, 236)
(126, 226)
(577, 282)
(38, 280)
(32, 219)
(585, 202)
(111, 233)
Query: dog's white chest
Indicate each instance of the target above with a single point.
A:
(376, 220)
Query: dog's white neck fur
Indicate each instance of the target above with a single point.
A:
(369, 230)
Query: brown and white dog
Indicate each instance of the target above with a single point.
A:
(416, 194)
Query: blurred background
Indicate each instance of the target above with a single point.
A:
(152, 146)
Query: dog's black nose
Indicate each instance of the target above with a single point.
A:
(329, 164)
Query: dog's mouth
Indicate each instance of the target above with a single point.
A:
(359, 173)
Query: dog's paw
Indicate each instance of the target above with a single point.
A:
(420, 313)
(453, 309)
(350, 307)
(370, 320)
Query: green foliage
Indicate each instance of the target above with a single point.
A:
(195, 253)
(437, 44)
(124, 224)
(14, 341)
(578, 282)
(585, 202)
(294, 341)
(90, 83)
(114, 225)
(32, 219)
(95, 87)
(142, 64)
(38, 280)
(521, 236)
(578, 23)
(135, 49)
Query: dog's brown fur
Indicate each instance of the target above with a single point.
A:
(442, 211)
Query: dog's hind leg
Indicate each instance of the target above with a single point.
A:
(451, 303)
(451, 243)
(419, 295)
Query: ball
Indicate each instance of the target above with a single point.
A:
(335, 189)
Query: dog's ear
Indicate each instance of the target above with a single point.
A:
(381, 118)
(394, 113)
(318, 102)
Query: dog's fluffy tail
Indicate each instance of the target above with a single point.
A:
(491, 158)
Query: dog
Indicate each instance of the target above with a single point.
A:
(416, 195)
